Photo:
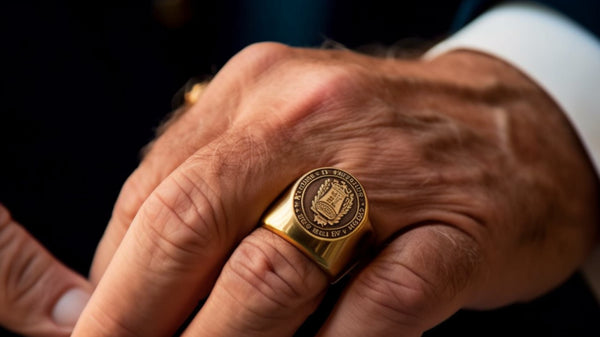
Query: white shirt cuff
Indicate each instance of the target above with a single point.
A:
(562, 57)
(555, 52)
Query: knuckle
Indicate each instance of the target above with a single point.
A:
(106, 322)
(329, 84)
(410, 281)
(270, 279)
(129, 201)
(402, 301)
(24, 267)
(179, 222)
(262, 52)
(457, 259)
(260, 56)
(329, 93)
(254, 146)
(334, 80)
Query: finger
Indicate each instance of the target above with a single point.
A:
(419, 280)
(38, 295)
(180, 238)
(161, 159)
(193, 128)
(267, 288)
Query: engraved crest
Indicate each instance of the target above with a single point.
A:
(329, 203)
(333, 200)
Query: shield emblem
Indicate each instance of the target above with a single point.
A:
(333, 200)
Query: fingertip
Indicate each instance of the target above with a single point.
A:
(40, 296)
(69, 306)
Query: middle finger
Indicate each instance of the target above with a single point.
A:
(267, 288)
(181, 237)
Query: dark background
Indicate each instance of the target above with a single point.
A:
(85, 83)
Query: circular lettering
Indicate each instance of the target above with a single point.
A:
(329, 203)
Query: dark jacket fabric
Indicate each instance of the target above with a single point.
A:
(584, 12)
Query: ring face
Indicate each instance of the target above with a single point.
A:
(329, 203)
(325, 214)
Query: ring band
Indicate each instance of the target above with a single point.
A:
(325, 215)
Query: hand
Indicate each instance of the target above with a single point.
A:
(38, 295)
(480, 196)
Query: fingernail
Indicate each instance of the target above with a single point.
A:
(68, 308)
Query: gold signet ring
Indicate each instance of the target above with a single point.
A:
(325, 214)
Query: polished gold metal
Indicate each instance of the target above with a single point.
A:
(191, 96)
(325, 215)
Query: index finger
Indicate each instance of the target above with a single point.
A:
(194, 128)
(159, 162)
(181, 236)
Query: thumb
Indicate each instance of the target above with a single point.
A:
(39, 296)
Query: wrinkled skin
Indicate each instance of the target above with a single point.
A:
(480, 196)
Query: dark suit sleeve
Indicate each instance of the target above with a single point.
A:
(585, 12)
